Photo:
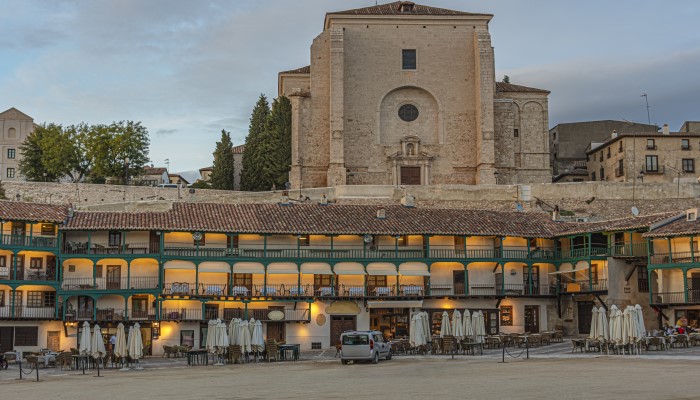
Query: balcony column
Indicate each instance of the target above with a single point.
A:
(161, 275)
(55, 306)
(466, 279)
(230, 280)
(670, 253)
(89, 243)
(332, 255)
(264, 246)
(631, 246)
(14, 256)
(161, 243)
(196, 278)
(159, 304)
(94, 275)
(426, 246)
(503, 275)
(685, 284)
(650, 250)
(31, 236)
(529, 278)
(528, 248)
(265, 279)
(12, 302)
(128, 275)
(427, 289)
(396, 246)
(94, 309)
(245, 310)
(364, 278)
(299, 246)
(204, 312)
(590, 274)
(298, 278)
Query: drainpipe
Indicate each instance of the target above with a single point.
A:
(685, 284)
(196, 278)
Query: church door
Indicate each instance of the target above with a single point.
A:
(410, 175)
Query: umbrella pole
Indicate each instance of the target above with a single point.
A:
(98, 369)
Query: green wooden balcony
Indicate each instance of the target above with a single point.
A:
(689, 297)
(29, 242)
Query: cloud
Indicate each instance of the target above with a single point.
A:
(165, 132)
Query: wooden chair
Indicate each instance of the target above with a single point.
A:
(338, 349)
(681, 341)
(272, 350)
(64, 359)
(448, 345)
(546, 338)
(234, 354)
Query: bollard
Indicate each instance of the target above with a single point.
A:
(82, 362)
(37, 372)
(98, 368)
(527, 349)
(19, 362)
(503, 356)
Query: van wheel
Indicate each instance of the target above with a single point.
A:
(344, 362)
(375, 360)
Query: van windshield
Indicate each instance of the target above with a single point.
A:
(355, 340)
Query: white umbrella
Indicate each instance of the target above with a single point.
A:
(467, 324)
(602, 325)
(135, 344)
(251, 326)
(98, 344)
(244, 339)
(257, 341)
(417, 334)
(211, 336)
(445, 327)
(85, 340)
(640, 322)
(221, 335)
(412, 329)
(233, 331)
(457, 325)
(593, 334)
(616, 325)
(120, 349)
(425, 322)
(478, 326)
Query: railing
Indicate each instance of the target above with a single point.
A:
(584, 286)
(147, 314)
(188, 251)
(22, 312)
(71, 247)
(677, 297)
(179, 289)
(181, 314)
(283, 290)
(29, 275)
(681, 257)
(110, 314)
(29, 241)
(629, 250)
(484, 290)
(301, 314)
(212, 289)
(135, 282)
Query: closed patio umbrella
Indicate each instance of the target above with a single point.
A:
(640, 322)
(85, 340)
(135, 344)
(98, 344)
(233, 331)
(412, 329)
(120, 345)
(445, 326)
(257, 341)
(244, 339)
(251, 326)
(211, 336)
(467, 324)
(221, 340)
(602, 326)
(457, 325)
(593, 334)
(478, 326)
(425, 323)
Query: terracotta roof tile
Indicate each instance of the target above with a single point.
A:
(22, 211)
(509, 87)
(240, 149)
(622, 224)
(302, 70)
(679, 227)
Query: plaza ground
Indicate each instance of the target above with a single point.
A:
(551, 372)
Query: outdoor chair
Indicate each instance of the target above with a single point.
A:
(234, 354)
(493, 342)
(167, 351)
(681, 341)
(546, 338)
(448, 345)
(694, 339)
(272, 350)
(558, 336)
(64, 359)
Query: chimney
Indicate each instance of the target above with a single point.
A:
(381, 213)
(665, 129)
(614, 134)
(324, 200)
(555, 214)
(407, 201)
(285, 199)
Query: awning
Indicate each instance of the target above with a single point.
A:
(316, 268)
(580, 266)
(381, 268)
(248, 268)
(395, 304)
(214, 266)
(349, 268)
(414, 269)
(179, 265)
(282, 268)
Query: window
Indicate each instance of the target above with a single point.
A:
(685, 144)
(187, 338)
(2, 298)
(642, 279)
(506, 315)
(36, 263)
(98, 270)
(594, 274)
(620, 168)
(10, 172)
(602, 173)
(554, 136)
(376, 280)
(652, 164)
(321, 280)
(516, 133)
(10, 153)
(608, 152)
(688, 165)
(651, 145)
(232, 241)
(304, 240)
(245, 280)
(593, 176)
(619, 150)
(36, 299)
(115, 238)
(601, 156)
(3, 262)
(26, 335)
(48, 230)
(408, 112)
(408, 58)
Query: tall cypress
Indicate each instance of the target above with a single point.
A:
(222, 173)
(253, 177)
(279, 129)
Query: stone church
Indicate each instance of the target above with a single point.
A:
(405, 94)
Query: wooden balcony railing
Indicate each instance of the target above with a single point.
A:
(26, 241)
(72, 247)
(23, 312)
(133, 283)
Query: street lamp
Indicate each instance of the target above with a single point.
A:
(641, 175)
(44, 177)
(126, 171)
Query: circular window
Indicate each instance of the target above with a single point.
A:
(408, 112)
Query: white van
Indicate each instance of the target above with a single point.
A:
(168, 185)
(364, 346)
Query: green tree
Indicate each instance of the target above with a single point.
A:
(506, 79)
(201, 185)
(279, 132)
(32, 165)
(109, 147)
(253, 175)
(222, 173)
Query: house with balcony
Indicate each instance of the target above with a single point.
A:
(310, 271)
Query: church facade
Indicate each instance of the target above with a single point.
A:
(405, 94)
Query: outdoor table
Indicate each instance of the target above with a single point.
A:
(240, 291)
(412, 290)
(664, 342)
(297, 291)
(198, 357)
(289, 349)
(80, 360)
(382, 291)
(325, 291)
(356, 291)
(268, 291)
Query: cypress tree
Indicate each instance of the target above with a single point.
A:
(279, 128)
(253, 176)
(222, 173)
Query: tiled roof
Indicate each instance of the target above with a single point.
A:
(154, 170)
(509, 87)
(302, 70)
(395, 9)
(112, 220)
(622, 224)
(679, 227)
(22, 211)
(240, 149)
(610, 140)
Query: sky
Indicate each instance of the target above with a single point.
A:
(188, 69)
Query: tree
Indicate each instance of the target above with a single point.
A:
(200, 185)
(506, 79)
(253, 177)
(33, 150)
(109, 146)
(279, 131)
(222, 173)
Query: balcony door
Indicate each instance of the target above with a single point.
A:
(139, 307)
(114, 277)
(410, 175)
(535, 280)
(20, 266)
(694, 287)
(532, 319)
(458, 282)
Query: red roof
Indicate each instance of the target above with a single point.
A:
(35, 212)
(302, 70)
(409, 9)
(509, 87)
